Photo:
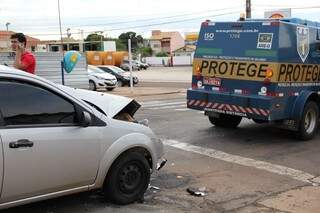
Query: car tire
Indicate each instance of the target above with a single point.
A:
(120, 84)
(127, 179)
(308, 125)
(110, 89)
(135, 83)
(226, 121)
(92, 86)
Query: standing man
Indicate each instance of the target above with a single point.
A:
(24, 59)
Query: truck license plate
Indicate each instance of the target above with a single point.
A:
(212, 81)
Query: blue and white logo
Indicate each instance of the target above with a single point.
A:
(303, 44)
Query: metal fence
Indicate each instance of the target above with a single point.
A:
(49, 67)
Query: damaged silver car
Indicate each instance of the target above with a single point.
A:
(57, 140)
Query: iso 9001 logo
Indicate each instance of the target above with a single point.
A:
(208, 36)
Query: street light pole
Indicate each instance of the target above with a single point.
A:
(7, 26)
(248, 8)
(8, 42)
(68, 33)
(130, 65)
(101, 38)
(101, 42)
(62, 69)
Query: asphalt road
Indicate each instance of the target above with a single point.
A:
(245, 172)
(236, 168)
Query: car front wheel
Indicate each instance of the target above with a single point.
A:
(92, 86)
(127, 179)
(120, 83)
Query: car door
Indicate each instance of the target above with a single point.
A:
(45, 149)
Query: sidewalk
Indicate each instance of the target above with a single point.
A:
(300, 200)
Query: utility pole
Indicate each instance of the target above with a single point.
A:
(62, 65)
(7, 26)
(130, 65)
(8, 41)
(248, 8)
(68, 33)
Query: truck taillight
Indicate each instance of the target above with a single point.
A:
(197, 70)
(269, 73)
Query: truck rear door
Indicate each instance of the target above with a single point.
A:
(229, 54)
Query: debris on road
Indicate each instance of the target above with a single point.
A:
(154, 187)
(200, 192)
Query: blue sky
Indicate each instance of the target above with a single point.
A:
(39, 18)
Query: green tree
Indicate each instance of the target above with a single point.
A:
(145, 51)
(162, 54)
(136, 40)
(120, 46)
(96, 41)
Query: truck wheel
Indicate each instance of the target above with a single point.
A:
(227, 121)
(127, 179)
(309, 122)
(259, 121)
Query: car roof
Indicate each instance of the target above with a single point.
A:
(6, 69)
(14, 71)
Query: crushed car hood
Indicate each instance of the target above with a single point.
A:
(110, 104)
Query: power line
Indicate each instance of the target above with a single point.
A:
(147, 19)
(148, 25)
(287, 6)
(157, 18)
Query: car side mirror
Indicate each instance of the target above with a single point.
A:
(85, 119)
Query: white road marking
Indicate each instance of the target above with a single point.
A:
(168, 107)
(262, 165)
(150, 102)
(163, 104)
(177, 106)
(183, 109)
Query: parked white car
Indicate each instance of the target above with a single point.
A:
(122, 76)
(56, 140)
(98, 79)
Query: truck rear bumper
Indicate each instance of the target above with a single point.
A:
(250, 106)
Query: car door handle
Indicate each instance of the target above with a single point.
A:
(21, 143)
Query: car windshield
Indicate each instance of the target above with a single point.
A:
(96, 70)
(115, 69)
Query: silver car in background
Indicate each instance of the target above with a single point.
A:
(98, 79)
(56, 140)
